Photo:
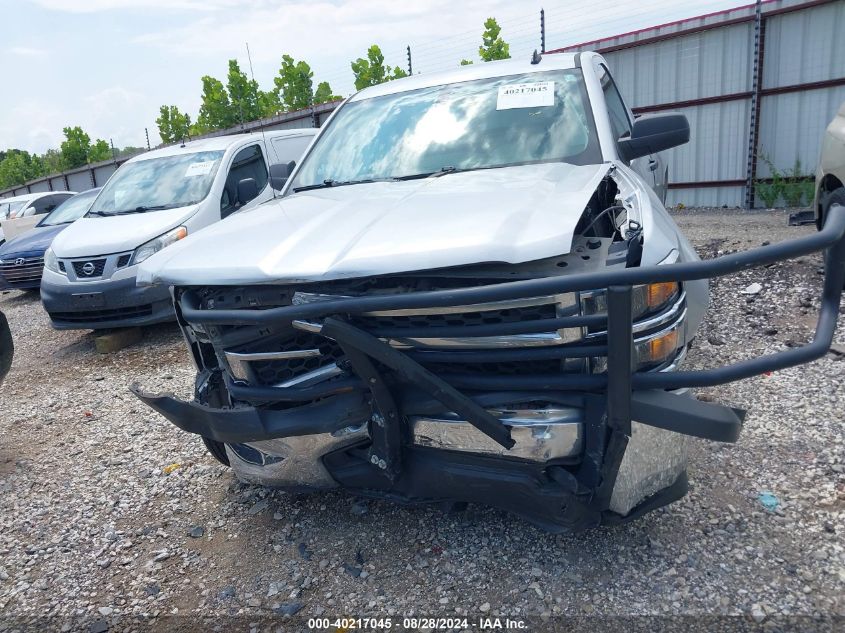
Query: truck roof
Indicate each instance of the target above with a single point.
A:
(219, 143)
(478, 70)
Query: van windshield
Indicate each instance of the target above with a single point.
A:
(70, 210)
(497, 122)
(158, 183)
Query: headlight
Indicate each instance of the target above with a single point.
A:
(145, 251)
(644, 299)
(653, 350)
(51, 262)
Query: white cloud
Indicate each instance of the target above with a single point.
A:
(93, 6)
(26, 51)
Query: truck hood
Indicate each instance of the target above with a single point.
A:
(511, 214)
(91, 236)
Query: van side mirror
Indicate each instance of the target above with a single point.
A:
(280, 173)
(247, 190)
(654, 133)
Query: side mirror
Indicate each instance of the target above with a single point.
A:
(247, 190)
(654, 133)
(280, 173)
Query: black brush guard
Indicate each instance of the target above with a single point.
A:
(610, 400)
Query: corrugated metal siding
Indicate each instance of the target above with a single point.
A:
(40, 187)
(58, 183)
(695, 66)
(101, 174)
(79, 181)
(792, 126)
(707, 197)
(717, 146)
(805, 46)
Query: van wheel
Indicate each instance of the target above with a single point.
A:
(837, 196)
(217, 450)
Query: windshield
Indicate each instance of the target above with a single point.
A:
(158, 183)
(8, 209)
(70, 210)
(513, 120)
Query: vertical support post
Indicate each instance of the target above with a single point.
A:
(113, 152)
(620, 344)
(147, 134)
(93, 177)
(410, 65)
(542, 30)
(754, 120)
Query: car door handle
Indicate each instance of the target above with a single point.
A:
(652, 164)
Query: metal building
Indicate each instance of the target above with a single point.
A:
(708, 68)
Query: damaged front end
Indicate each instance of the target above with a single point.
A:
(551, 389)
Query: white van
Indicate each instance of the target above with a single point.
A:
(21, 213)
(150, 202)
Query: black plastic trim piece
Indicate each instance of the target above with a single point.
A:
(249, 424)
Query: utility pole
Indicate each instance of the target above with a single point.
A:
(410, 66)
(542, 30)
(147, 133)
(113, 153)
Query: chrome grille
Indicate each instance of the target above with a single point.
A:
(22, 270)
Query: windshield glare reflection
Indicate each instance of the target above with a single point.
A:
(456, 126)
(158, 183)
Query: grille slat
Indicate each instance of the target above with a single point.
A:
(97, 316)
(99, 266)
(25, 273)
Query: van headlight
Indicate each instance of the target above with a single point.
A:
(51, 262)
(145, 251)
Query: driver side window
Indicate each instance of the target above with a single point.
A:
(248, 163)
(616, 110)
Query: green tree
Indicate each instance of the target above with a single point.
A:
(323, 94)
(270, 102)
(294, 84)
(244, 94)
(493, 47)
(172, 124)
(373, 71)
(53, 162)
(99, 151)
(18, 167)
(466, 62)
(216, 110)
(75, 147)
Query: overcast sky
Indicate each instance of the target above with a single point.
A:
(108, 65)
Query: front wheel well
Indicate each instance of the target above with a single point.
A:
(829, 183)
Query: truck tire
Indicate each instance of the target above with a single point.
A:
(837, 196)
(217, 450)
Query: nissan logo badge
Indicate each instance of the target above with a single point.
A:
(88, 268)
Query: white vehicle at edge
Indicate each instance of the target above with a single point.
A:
(469, 291)
(149, 203)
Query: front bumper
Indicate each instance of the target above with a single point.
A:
(110, 303)
(630, 454)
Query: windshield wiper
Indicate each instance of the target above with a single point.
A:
(448, 169)
(138, 209)
(338, 183)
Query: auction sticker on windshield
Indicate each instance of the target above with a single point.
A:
(528, 95)
(199, 169)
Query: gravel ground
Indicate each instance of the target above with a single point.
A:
(109, 512)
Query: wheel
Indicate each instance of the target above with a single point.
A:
(217, 450)
(828, 199)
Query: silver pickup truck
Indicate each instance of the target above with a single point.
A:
(469, 290)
